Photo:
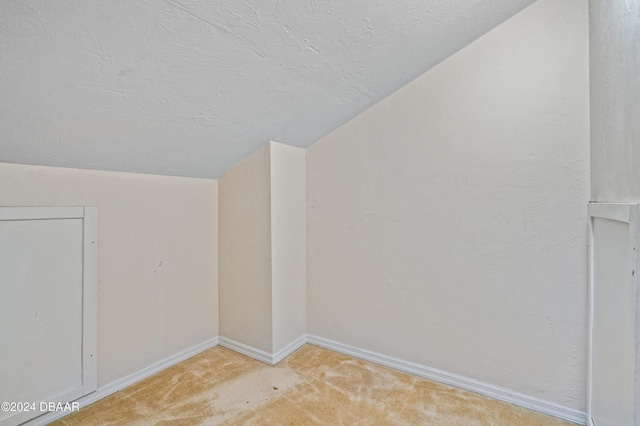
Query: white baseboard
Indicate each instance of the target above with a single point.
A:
(126, 381)
(260, 355)
(289, 349)
(247, 350)
(451, 379)
(495, 392)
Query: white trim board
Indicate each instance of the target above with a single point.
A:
(461, 382)
(90, 299)
(126, 381)
(289, 349)
(260, 355)
(41, 213)
(243, 349)
(620, 212)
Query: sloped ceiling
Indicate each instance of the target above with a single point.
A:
(190, 87)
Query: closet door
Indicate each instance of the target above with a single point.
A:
(47, 346)
(614, 327)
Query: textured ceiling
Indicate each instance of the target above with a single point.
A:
(190, 87)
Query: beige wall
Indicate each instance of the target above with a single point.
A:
(615, 100)
(447, 224)
(245, 252)
(288, 244)
(262, 249)
(157, 257)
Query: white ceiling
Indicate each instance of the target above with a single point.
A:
(190, 87)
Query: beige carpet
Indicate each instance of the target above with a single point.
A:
(314, 386)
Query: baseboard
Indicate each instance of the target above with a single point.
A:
(495, 392)
(260, 355)
(247, 350)
(126, 381)
(289, 349)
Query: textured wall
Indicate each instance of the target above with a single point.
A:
(192, 87)
(157, 257)
(615, 100)
(447, 224)
(288, 244)
(245, 252)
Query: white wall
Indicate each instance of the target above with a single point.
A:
(157, 257)
(615, 100)
(245, 252)
(447, 224)
(288, 243)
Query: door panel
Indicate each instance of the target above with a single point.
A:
(41, 313)
(614, 310)
(613, 315)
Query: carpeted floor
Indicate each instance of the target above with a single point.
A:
(314, 386)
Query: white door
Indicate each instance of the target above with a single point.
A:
(614, 310)
(42, 310)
